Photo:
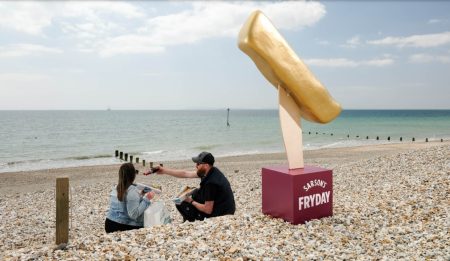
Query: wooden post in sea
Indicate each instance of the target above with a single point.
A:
(121, 155)
(126, 156)
(137, 159)
(151, 164)
(131, 159)
(228, 116)
(143, 163)
(62, 210)
(117, 153)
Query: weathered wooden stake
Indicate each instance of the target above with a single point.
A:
(401, 139)
(121, 155)
(378, 138)
(62, 210)
(389, 138)
(117, 153)
(131, 159)
(426, 139)
(151, 164)
(367, 137)
(442, 140)
(413, 139)
(137, 159)
(126, 156)
(143, 163)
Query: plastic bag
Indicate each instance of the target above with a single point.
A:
(156, 214)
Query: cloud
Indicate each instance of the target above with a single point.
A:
(16, 50)
(25, 17)
(33, 17)
(427, 58)
(434, 21)
(129, 44)
(208, 20)
(343, 62)
(437, 21)
(111, 28)
(352, 42)
(323, 42)
(332, 62)
(94, 9)
(15, 79)
(424, 40)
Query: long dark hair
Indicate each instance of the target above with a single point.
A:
(127, 174)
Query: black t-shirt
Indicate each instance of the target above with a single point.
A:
(215, 187)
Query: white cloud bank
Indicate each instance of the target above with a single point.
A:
(110, 28)
(353, 42)
(427, 58)
(209, 20)
(344, 62)
(33, 17)
(16, 50)
(423, 40)
(25, 17)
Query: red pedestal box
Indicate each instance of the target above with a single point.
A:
(297, 195)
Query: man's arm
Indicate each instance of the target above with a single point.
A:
(210, 194)
(177, 173)
(205, 208)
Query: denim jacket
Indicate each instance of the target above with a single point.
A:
(131, 210)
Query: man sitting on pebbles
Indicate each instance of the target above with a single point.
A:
(213, 198)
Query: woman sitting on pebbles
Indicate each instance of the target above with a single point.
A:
(127, 204)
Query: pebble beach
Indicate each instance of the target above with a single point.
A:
(390, 202)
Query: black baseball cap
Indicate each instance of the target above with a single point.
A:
(204, 157)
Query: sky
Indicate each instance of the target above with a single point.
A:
(184, 55)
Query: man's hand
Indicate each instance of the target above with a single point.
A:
(188, 199)
(156, 170)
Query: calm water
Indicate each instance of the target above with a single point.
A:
(32, 140)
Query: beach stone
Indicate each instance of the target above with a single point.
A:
(387, 207)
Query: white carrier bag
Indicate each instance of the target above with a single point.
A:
(156, 214)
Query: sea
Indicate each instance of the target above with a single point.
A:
(34, 140)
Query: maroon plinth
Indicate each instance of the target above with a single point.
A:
(297, 195)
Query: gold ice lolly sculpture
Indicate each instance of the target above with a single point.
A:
(300, 93)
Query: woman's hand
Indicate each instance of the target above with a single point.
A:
(150, 195)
